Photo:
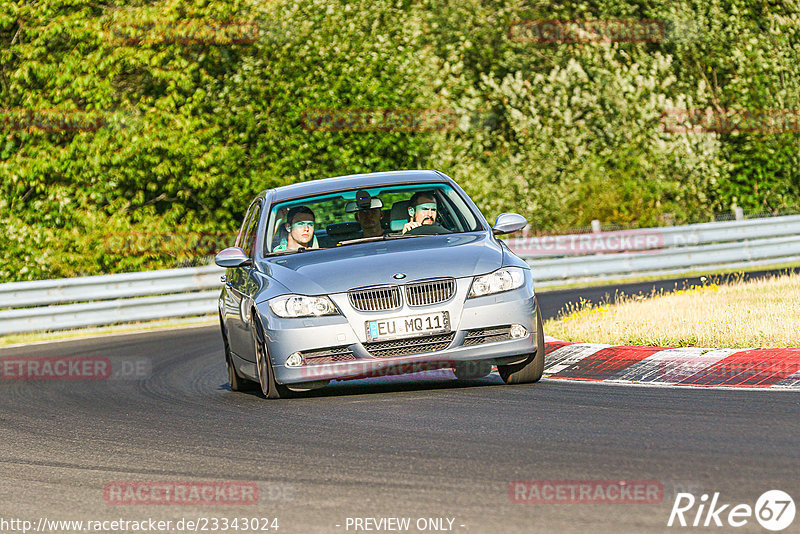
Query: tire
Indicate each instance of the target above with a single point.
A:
(266, 378)
(472, 370)
(532, 368)
(236, 382)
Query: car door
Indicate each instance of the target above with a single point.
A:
(229, 305)
(241, 287)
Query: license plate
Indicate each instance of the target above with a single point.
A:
(410, 326)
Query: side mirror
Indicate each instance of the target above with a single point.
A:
(507, 223)
(232, 257)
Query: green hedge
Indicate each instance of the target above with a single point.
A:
(134, 134)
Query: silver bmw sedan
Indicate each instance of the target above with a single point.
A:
(374, 274)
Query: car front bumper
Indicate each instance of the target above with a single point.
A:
(285, 337)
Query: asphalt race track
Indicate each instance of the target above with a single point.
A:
(383, 448)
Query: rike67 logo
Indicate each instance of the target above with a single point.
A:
(774, 510)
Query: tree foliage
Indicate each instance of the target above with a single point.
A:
(131, 133)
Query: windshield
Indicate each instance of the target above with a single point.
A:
(348, 217)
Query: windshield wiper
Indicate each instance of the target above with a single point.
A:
(291, 251)
(386, 237)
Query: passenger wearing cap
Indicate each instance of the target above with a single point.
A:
(368, 213)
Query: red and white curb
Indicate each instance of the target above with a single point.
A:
(663, 366)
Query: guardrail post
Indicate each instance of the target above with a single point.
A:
(596, 226)
(738, 212)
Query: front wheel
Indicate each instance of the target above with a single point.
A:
(532, 368)
(237, 382)
(266, 377)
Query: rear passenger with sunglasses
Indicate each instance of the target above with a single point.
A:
(300, 228)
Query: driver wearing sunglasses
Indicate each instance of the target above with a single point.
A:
(300, 229)
(422, 210)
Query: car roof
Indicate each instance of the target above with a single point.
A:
(352, 181)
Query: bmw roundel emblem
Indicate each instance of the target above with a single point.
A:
(399, 276)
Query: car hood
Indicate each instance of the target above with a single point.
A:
(339, 269)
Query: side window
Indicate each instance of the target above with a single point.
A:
(448, 217)
(249, 241)
(275, 230)
(462, 215)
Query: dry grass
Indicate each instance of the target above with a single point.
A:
(758, 313)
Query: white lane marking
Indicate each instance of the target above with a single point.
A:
(664, 385)
(560, 359)
(664, 369)
(670, 366)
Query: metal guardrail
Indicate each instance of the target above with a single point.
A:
(655, 238)
(655, 251)
(113, 298)
(120, 298)
(110, 286)
(553, 272)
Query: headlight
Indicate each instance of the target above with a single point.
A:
(301, 306)
(501, 280)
